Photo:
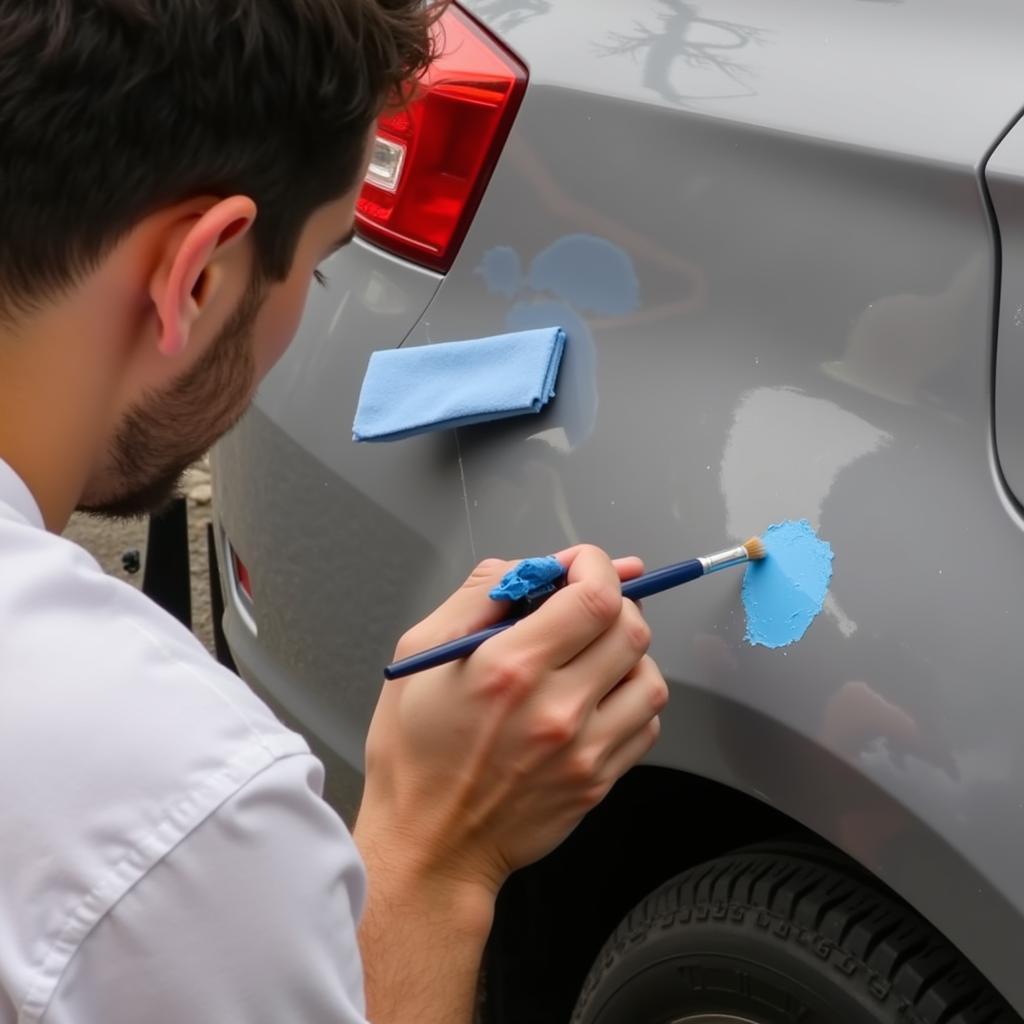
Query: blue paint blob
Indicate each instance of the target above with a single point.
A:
(577, 275)
(784, 592)
(532, 577)
(501, 270)
(590, 273)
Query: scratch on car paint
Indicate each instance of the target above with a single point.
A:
(465, 498)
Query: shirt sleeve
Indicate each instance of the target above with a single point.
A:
(250, 919)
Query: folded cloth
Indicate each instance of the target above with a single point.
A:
(410, 391)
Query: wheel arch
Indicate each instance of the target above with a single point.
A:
(727, 777)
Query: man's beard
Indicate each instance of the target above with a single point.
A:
(168, 431)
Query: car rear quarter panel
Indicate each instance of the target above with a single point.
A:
(763, 228)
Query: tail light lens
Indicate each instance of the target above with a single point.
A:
(242, 576)
(431, 160)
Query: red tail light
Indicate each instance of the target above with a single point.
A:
(242, 576)
(432, 160)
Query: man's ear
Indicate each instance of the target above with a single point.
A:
(190, 274)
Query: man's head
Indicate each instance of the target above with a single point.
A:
(171, 174)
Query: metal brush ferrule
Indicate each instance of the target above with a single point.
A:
(724, 559)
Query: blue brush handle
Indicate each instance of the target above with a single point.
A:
(643, 586)
(443, 653)
(662, 579)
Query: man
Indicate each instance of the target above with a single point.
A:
(171, 174)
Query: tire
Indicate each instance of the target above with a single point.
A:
(770, 937)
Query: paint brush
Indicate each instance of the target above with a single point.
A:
(642, 586)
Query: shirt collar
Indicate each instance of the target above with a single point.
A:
(15, 494)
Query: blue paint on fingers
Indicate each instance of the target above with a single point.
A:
(783, 593)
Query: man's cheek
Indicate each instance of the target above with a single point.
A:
(276, 329)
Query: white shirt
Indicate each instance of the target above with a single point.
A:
(165, 856)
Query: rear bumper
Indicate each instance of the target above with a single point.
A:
(339, 749)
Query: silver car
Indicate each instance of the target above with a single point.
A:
(786, 242)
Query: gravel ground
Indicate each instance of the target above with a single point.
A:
(108, 540)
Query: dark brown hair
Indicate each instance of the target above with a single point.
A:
(110, 109)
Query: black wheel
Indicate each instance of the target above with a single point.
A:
(769, 937)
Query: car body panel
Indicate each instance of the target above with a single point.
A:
(888, 75)
(765, 233)
(1004, 174)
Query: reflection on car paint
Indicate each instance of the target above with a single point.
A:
(505, 16)
(783, 454)
(686, 50)
(576, 275)
(900, 344)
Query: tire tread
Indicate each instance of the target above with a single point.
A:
(898, 956)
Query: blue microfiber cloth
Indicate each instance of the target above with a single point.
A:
(532, 577)
(410, 391)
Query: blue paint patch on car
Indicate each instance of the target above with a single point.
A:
(784, 593)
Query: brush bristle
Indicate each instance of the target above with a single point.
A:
(755, 549)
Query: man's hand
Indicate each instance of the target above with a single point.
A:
(476, 768)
